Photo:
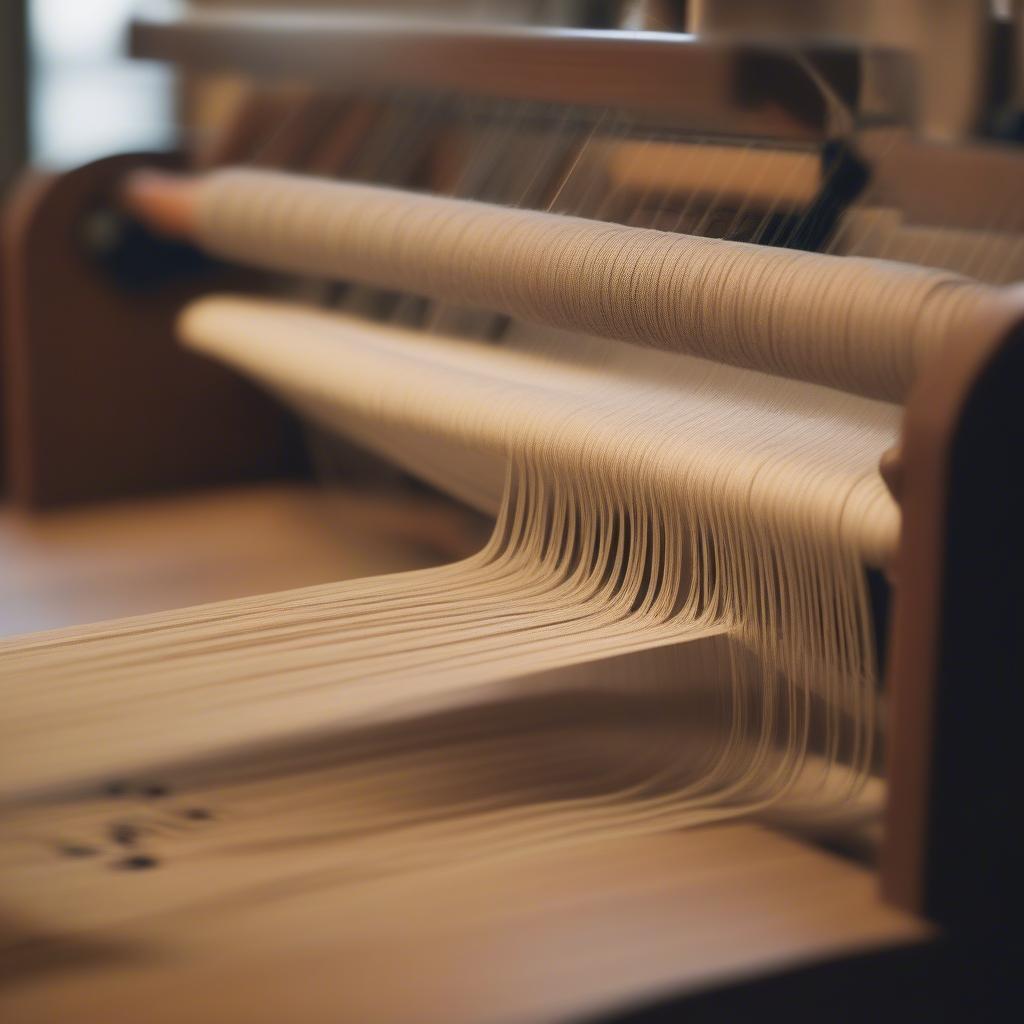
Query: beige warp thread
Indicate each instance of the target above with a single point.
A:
(675, 534)
(866, 326)
(681, 539)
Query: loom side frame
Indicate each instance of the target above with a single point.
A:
(101, 401)
(956, 659)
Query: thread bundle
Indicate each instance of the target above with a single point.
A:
(673, 532)
(866, 326)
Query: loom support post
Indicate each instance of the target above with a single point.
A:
(953, 839)
(100, 400)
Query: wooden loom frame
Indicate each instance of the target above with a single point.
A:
(956, 663)
(90, 411)
(955, 657)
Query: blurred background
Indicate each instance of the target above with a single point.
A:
(70, 94)
(104, 514)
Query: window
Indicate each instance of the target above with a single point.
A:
(88, 99)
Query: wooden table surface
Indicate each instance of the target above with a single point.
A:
(554, 934)
(551, 935)
(105, 561)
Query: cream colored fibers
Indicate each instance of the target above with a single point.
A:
(866, 326)
(678, 556)
(668, 504)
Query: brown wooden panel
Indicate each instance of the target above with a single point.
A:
(13, 128)
(975, 185)
(101, 399)
(953, 844)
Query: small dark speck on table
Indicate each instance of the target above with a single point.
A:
(198, 814)
(124, 834)
(77, 850)
(154, 790)
(116, 788)
(140, 862)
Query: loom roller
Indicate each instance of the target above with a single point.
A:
(813, 188)
(791, 196)
(171, 204)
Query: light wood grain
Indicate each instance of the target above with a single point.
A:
(551, 935)
(126, 558)
(271, 909)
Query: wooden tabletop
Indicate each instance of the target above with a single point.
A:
(243, 918)
(103, 561)
(553, 935)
